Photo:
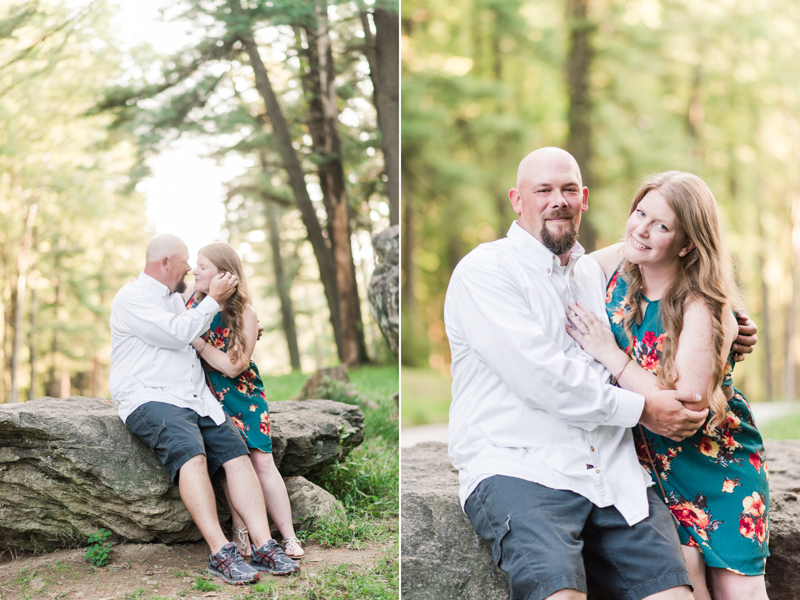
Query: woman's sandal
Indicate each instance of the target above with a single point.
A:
(243, 541)
(293, 549)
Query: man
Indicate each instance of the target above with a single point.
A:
(547, 467)
(157, 381)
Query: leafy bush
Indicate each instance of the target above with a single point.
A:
(99, 549)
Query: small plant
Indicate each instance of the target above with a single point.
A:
(204, 585)
(99, 549)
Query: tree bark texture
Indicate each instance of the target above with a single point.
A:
(22, 274)
(327, 267)
(319, 86)
(287, 311)
(579, 115)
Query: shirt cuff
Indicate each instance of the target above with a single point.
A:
(209, 305)
(630, 406)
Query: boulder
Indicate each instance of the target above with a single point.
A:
(337, 373)
(70, 466)
(444, 559)
(309, 500)
(384, 288)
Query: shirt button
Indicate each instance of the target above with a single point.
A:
(548, 270)
(597, 470)
(592, 448)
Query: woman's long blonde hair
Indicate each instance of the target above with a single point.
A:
(704, 273)
(225, 258)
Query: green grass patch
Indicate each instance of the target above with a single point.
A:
(425, 397)
(378, 582)
(203, 584)
(786, 427)
(284, 387)
(379, 382)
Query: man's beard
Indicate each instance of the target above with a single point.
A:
(563, 243)
(181, 287)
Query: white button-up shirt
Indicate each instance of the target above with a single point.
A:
(528, 402)
(151, 356)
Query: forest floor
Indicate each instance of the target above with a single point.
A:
(157, 571)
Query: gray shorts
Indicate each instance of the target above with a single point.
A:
(546, 540)
(178, 434)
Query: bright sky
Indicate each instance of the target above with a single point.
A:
(185, 193)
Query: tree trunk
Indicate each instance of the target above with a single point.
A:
(327, 267)
(790, 387)
(383, 56)
(579, 114)
(32, 345)
(319, 87)
(22, 274)
(287, 311)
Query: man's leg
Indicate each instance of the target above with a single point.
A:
(535, 535)
(198, 496)
(640, 561)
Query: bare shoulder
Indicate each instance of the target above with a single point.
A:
(249, 315)
(189, 291)
(609, 258)
(698, 320)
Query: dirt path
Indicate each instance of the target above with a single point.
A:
(143, 571)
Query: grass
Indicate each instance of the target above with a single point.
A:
(425, 397)
(786, 427)
(203, 584)
(283, 387)
(341, 582)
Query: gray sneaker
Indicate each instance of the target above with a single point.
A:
(231, 567)
(272, 559)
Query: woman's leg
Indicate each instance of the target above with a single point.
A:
(697, 572)
(240, 533)
(275, 495)
(727, 585)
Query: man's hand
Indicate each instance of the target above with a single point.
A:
(747, 338)
(222, 287)
(666, 413)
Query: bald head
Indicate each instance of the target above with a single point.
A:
(543, 159)
(163, 246)
(167, 261)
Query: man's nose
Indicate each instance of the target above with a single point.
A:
(559, 199)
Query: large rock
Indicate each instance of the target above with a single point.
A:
(384, 289)
(310, 502)
(443, 558)
(337, 373)
(70, 466)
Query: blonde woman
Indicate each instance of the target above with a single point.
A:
(669, 299)
(233, 378)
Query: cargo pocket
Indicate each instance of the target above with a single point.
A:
(145, 429)
(156, 434)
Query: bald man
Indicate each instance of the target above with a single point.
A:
(542, 441)
(157, 381)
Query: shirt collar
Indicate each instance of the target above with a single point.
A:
(536, 251)
(155, 285)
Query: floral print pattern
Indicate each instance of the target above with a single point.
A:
(715, 482)
(242, 397)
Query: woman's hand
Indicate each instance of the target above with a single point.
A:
(592, 335)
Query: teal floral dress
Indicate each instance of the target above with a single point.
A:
(242, 398)
(715, 481)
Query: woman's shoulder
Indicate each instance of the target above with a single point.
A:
(609, 258)
(697, 317)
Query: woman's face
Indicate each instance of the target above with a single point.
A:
(653, 237)
(204, 272)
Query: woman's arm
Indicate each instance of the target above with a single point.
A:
(609, 258)
(693, 359)
(220, 360)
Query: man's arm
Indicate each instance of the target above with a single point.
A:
(498, 325)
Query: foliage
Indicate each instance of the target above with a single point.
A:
(204, 584)
(99, 548)
(672, 85)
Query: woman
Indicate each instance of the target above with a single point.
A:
(233, 378)
(669, 299)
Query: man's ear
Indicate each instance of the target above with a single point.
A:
(585, 202)
(516, 200)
